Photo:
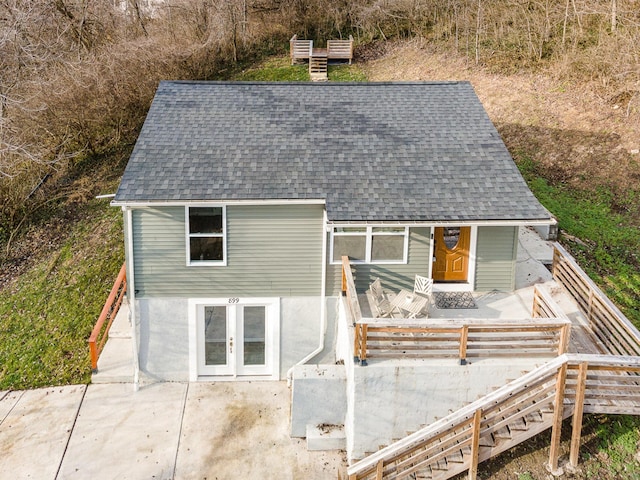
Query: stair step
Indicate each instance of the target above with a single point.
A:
(533, 417)
(455, 457)
(487, 441)
(440, 465)
(518, 424)
(502, 433)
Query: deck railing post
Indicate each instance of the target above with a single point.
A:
(464, 335)
(576, 430)
(379, 469)
(475, 444)
(363, 344)
(356, 343)
(344, 281)
(558, 412)
(565, 335)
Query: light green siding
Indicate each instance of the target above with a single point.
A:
(271, 251)
(497, 251)
(394, 277)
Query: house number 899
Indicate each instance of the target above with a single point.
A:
(234, 300)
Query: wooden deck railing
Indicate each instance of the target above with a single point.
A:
(100, 333)
(454, 338)
(615, 332)
(300, 49)
(568, 385)
(544, 306)
(460, 338)
(340, 49)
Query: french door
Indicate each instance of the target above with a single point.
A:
(237, 338)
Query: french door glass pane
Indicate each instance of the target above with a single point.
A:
(215, 335)
(254, 335)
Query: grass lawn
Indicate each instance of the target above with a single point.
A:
(48, 312)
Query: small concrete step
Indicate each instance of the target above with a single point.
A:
(325, 437)
(121, 326)
(115, 364)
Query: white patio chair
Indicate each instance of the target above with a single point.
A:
(380, 300)
(424, 286)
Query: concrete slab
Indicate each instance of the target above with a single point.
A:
(115, 364)
(121, 326)
(325, 437)
(8, 400)
(35, 432)
(536, 247)
(240, 430)
(124, 434)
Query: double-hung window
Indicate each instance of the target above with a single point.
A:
(206, 235)
(368, 244)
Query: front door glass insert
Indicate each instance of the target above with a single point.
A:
(451, 236)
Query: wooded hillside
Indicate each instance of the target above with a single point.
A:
(77, 76)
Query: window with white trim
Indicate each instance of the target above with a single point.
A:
(381, 244)
(206, 235)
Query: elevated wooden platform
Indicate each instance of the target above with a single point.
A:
(318, 58)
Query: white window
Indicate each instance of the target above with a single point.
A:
(370, 244)
(206, 235)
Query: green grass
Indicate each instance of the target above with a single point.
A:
(608, 245)
(279, 69)
(610, 451)
(48, 314)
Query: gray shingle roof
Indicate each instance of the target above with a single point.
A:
(373, 151)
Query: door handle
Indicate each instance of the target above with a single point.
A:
(230, 344)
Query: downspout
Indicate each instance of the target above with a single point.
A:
(323, 303)
(131, 291)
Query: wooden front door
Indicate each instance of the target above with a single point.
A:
(451, 254)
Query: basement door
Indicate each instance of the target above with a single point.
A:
(237, 338)
(451, 254)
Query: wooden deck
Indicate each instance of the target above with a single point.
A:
(602, 376)
(318, 58)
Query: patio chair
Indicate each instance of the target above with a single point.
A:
(423, 286)
(380, 300)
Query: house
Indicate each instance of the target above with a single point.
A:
(240, 200)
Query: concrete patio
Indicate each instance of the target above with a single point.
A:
(162, 431)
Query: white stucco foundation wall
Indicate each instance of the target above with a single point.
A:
(163, 339)
(163, 335)
(388, 399)
(318, 396)
(392, 398)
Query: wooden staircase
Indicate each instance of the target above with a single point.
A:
(318, 65)
(569, 385)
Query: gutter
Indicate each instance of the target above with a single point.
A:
(323, 304)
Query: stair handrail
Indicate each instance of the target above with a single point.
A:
(100, 333)
(492, 401)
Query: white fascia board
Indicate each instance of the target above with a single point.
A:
(193, 203)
